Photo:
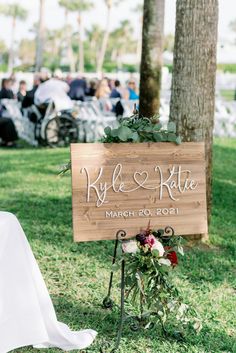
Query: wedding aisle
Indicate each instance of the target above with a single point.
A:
(76, 275)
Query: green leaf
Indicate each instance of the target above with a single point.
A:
(164, 136)
(157, 127)
(157, 137)
(107, 130)
(155, 253)
(135, 137)
(148, 128)
(171, 137)
(180, 250)
(171, 127)
(114, 133)
(160, 232)
(178, 140)
(124, 133)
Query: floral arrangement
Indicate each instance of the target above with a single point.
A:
(150, 259)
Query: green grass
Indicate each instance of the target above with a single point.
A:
(227, 94)
(77, 274)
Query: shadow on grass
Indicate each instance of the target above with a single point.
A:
(48, 219)
(105, 322)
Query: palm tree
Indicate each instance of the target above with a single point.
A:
(151, 62)
(15, 12)
(109, 4)
(78, 6)
(40, 37)
(139, 9)
(53, 48)
(192, 104)
(94, 37)
(122, 42)
(68, 32)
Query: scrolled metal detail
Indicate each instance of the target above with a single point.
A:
(169, 230)
(107, 303)
(121, 234)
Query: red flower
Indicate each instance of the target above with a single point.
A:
(172, 256)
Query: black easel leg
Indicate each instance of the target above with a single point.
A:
(107, 301)
(122, 307)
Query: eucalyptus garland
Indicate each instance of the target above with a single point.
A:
(136, 129)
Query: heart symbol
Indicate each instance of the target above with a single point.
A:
(140, 177)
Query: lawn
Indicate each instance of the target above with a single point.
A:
(77, 274)
(228, 94)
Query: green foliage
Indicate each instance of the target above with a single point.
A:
(76, 5)
(227, 67)
(129, 68)
(169, 67)
(228, 94)
(135, 129)
(14, 10)
(77, 274)
(150, 286)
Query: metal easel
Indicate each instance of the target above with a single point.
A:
(108, 302)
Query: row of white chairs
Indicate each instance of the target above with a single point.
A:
(95, 115)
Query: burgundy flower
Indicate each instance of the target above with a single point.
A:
(142, 239)
(172, 256)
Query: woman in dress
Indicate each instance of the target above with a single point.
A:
(27, 315)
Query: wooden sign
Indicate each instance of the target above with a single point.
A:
(124, 185)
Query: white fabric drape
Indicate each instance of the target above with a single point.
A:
(27, 315)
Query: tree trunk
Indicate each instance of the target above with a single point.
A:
(81, 46)
(12, 49)
(192, 103)
(40, 37)
(151, 61)
(105, 40)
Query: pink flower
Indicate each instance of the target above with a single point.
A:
(151, 240)
(159, 247)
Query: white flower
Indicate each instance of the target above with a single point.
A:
(165, 262)
(159, 247)
(130, 246)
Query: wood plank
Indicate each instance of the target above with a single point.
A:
(113, 185)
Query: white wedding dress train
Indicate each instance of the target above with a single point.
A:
(27, 315)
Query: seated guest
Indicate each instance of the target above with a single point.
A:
(6, 91)
(103, 89)
(132, 90)
(115, 93)
(54, 90)
(78, 88)
(8, 132)
(91, 89)
(29, 97)
(22, 91)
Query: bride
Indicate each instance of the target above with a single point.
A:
(27, 315)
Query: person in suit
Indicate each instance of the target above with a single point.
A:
(78, 88)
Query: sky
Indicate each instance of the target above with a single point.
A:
(55, 17)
